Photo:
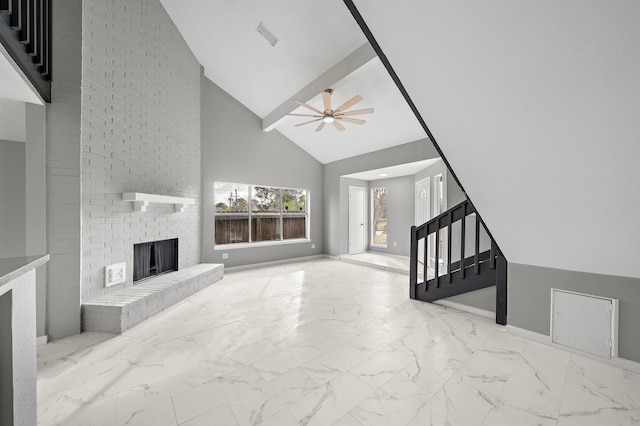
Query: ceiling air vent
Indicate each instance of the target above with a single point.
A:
(267, 34)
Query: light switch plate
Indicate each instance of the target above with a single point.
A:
(115, 274)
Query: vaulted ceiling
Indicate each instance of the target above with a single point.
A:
(320, 46)
(534, 104)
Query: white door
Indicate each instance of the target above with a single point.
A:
(423, 209)
(356, 219)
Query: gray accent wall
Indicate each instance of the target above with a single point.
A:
(400, 214)
(12, 199)
(336, 237)
(529, 300)
(236, 149)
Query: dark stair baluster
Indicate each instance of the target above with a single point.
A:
(449, 245)
(476, 259)
(462, 239)
(437, 265)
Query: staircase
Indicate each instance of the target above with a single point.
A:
(25, 33)
(478, 269)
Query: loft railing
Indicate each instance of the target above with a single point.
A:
(472, 271)
(25, 33)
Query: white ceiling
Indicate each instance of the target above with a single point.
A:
(392, 122)
(12, 84)
(222, 34)
(12, 120)
(536, 106)
(394, 171)
(314, 37)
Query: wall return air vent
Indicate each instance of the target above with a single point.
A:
(267, 34)
(585, 322)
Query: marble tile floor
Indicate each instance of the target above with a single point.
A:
(388, 262)
(323, 342)
(374, 259)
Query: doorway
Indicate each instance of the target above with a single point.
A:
(423, 208)
(356, 219)
(440, 206)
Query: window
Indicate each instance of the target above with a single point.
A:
(379, 216)
(232, 213)
(253, 213)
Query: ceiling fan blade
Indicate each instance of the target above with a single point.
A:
(351, 102)
(351, 120)
(357, 112)
(307, 122)
(338, 125)
(326, 100)
(320, 127)
(299, 102)
(305, 115)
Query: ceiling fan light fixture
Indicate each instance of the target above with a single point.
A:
(332, 116)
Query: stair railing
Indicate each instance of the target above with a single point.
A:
(480, 270)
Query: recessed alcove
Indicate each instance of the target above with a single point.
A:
(154, 258)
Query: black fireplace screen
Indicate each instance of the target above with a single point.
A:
(154, 258)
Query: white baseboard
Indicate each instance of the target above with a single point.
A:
(466, 308)
(42, 340)
(273, 263)
(546, 340)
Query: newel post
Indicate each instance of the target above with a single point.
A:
(501, 288)
(413, 266)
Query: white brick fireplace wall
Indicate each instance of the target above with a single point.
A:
(140, 133)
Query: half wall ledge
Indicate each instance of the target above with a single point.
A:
(141, 200)
(119, 311)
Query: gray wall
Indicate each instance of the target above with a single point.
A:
(12, 199)
(36, 200)
(529, 297)
(235, 149)
(335, 220)
(400, 214)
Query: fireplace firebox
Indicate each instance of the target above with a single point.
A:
(154, 258)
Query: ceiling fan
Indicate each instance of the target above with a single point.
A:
(334, 116)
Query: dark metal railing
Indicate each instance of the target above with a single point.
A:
(25, 33)
(480, 270)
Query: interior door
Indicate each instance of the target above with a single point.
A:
(423, 208)
(356, 219)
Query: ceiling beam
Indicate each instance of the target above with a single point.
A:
(355, 60)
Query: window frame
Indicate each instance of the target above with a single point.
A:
(251, 215)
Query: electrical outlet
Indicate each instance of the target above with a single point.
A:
(115, 274)
(395, 244)
(225, 255)
(313, 246)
